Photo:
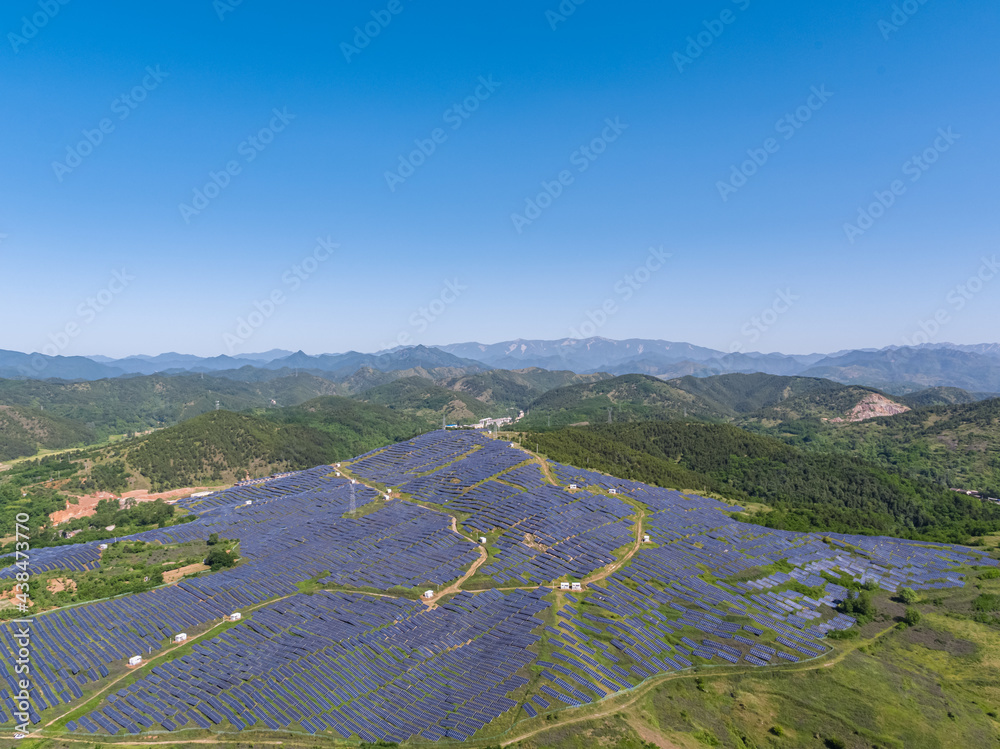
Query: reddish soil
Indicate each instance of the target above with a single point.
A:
(87, 504)
(84, 508)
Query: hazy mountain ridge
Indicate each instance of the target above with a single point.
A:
(893, 369)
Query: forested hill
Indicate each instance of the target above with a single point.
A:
(222, 447)
(805, 490)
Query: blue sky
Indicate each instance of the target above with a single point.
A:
(832, 100)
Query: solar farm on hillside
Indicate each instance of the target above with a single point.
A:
(444, 608)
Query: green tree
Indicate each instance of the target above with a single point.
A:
(909, 596)
(219, 558)
(912, 617)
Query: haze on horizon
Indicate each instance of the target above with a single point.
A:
(175, 174)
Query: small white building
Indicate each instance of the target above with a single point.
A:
(338, 465)
(482, 539)
(612, 490)
(135, 660)
(563, 586)
(645, 538)
(102, 547)
(233, 617)
(576, 586)
(573, 486)
(428, 594)
(180, 637)
(248, 502)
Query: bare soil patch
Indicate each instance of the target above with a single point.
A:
(59, 584)
(87, 504)
(84, 507)
(172, 576)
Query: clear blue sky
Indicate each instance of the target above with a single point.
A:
(71, 215)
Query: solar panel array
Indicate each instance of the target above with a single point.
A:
(384, 667)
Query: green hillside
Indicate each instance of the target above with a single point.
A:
(941, 396)
(806, 490)
(950, 446)
(136, 404)
(749, 398)
(25, 430)
(746, 393)
(428, 400)
(516, 389)
(222, 447)
(630, 398)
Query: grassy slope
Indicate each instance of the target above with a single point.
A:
(934, 686)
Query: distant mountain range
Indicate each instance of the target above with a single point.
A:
(896, 370)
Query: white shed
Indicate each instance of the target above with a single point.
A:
(482, 539)
(428, 594)
(180, 637)
(575, 586)
(563, 586)
(102, 547)
(135, 660)
(573, 486)
(234, 617)
(645, 538)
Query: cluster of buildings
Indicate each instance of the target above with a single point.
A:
(976, 495)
